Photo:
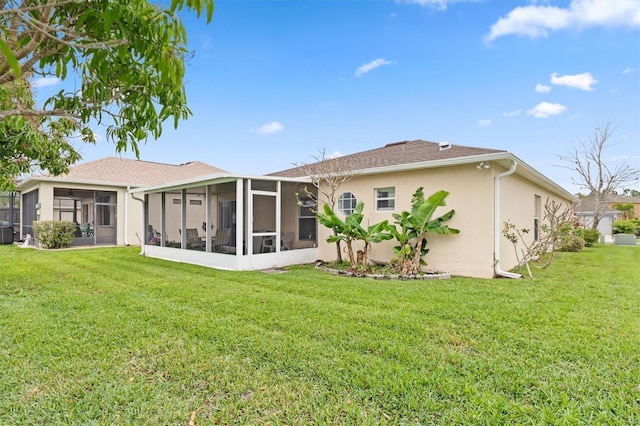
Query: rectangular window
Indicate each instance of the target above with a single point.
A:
(385, 198)
(177, 201)
(306, 224)
(195, 202)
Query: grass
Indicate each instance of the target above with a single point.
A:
(104, 336)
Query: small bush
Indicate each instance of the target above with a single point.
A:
(54, 233)
(625, 227)
(590, 236)
(637, 222)
(571, 243)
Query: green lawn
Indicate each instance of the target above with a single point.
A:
(104, 336)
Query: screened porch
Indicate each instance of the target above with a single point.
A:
(229, 222)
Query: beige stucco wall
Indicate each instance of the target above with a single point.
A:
(518, 207)
(469, 253)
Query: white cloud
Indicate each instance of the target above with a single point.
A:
(511, 113)
(45, 81)
(269, 128)
(546, 109)
(541, 88)
(363, 69)
(485, 123)
(335, 154)
(436, 4)
(538, 20)
(628, 70)
(582, 81)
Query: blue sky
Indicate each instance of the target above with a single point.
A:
(274, 81)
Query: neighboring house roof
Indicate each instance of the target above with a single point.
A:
(399, 154)
(587, 204)
(128, 172)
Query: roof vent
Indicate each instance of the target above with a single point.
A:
(396, 143)
(444, 145)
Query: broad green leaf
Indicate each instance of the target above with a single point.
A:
(11, 58)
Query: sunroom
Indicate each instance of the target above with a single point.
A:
(229, 222)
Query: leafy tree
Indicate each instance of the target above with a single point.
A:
(414, 227)
(631, 193)
(587, 159)
(124, 61)
(627, 209)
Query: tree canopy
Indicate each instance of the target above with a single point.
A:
(123, 64)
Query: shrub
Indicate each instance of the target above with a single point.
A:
(625, 227)
(637, 222)
(571, 243)
(54, 233)
(590, 236)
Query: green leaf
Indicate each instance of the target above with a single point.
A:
(11, 58)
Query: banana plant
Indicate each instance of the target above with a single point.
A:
(343, 230)
(370, 235)
(414, 227)
(350, 229)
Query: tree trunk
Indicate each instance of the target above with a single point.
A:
(415, 263)
(338, 248)
(352, 260)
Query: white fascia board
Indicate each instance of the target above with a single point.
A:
(34, 179)
(216, 178)
(543, 181)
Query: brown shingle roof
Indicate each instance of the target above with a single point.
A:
(588, 204)
(137, 172)
(399, 153)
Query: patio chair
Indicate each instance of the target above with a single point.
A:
(268, 245)
(193, 239)
(222, 240)
(87, 230)
(287, 239)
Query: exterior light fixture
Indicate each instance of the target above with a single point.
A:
(483, 165)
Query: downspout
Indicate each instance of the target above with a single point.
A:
(144, 238)
(126, 217)
(498, 225)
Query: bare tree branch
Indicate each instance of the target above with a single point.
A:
(327, 175)
(586, 158)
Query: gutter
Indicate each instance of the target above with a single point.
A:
(498, 225)
(144, 239)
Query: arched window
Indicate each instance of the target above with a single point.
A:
(347, 203)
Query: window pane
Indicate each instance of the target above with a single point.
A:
(347, 203)
(385, 198)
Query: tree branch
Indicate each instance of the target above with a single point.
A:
(37, 113)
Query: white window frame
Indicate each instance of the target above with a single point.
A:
(342, 200)
(391, 199)
(306, 215)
